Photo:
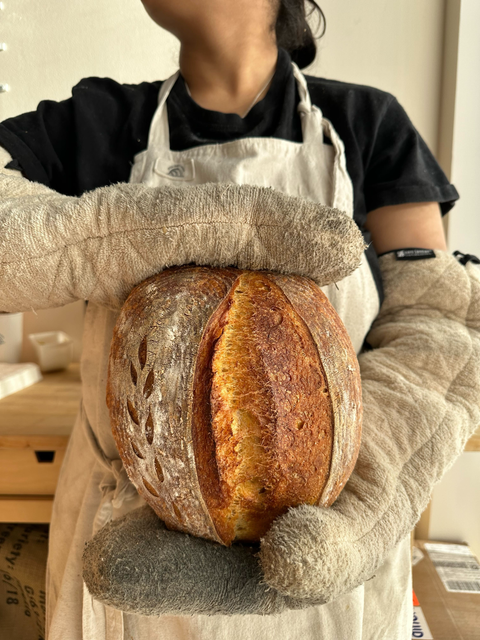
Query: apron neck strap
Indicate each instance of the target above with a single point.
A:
(305, 104)
(166, 87)
(159, 132)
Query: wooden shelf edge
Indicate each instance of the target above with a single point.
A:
(474, 443)
(34, 442)
(33, 509)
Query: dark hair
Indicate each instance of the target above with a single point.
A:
(293, 31)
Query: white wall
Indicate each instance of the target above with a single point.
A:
(455, 510)
(51, 45)
(464, 227)
(395, 45)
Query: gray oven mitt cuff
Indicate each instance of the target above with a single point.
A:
(55, 249)
(421, 395)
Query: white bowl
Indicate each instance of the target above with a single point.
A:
(54, 349)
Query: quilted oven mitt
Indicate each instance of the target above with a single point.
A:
(421, 394)
(56, 249)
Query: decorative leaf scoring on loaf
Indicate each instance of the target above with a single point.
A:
(133, 412)
(177, 512)
(133, 374)
(150, 488)
(149, 429)
(148, 387)
(142, 353)
(149, 424)
(159, 470)
(136, 450)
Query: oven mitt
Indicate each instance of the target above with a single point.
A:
(56, 249)
(421, 394)
(137, 565)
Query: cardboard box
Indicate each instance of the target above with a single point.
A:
(420, 630)
(450, 615)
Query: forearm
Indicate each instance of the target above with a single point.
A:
(408, 225)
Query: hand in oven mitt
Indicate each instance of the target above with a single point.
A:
(137, 565)
(421, 395)
(56, 249)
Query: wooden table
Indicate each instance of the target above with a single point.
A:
(35, 425)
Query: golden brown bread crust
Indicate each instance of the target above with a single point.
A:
(342, 372)
(267, 411)
(221, 408)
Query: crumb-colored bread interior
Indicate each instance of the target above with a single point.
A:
(263, 440)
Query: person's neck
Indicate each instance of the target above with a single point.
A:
(227, 76)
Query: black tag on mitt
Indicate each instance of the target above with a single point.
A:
(411, 254)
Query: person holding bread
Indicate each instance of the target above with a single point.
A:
(88, 182)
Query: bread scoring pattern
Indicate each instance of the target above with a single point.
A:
(221, 407)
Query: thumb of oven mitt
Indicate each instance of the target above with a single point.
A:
(55, 249)
(421, 395)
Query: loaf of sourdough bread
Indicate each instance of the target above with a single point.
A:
(233, 395)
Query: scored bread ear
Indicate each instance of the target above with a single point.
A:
(56, 249)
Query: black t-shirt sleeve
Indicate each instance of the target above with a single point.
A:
(42, 142)
(85, 142)
(400, 168)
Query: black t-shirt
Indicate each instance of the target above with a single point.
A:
(90, 139)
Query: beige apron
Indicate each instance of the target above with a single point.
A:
(93, 486)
